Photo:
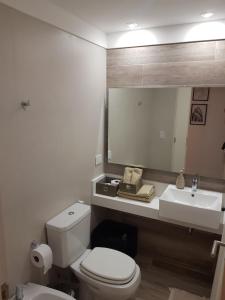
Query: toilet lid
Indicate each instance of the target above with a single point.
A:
(108, 265)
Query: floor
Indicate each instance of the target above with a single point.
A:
(178, 295)
(156, 282)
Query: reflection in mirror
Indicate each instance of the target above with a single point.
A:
(168, 129)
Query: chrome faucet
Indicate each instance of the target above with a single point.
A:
(194, 185)
(19, 292)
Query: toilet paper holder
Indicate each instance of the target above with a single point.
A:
(34, 244)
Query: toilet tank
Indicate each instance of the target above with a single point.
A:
(69, 234)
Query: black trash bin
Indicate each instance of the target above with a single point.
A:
(117, 236)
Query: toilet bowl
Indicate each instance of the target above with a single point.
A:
(107, 274)
(103, 273)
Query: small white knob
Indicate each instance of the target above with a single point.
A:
(81, 201)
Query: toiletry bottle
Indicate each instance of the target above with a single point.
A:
(180, 183)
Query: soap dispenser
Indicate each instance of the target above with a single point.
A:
(180, 182)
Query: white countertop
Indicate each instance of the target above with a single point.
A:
(148, 210)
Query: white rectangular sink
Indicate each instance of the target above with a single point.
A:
(201, 208)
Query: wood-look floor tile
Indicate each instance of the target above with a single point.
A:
(156, 282)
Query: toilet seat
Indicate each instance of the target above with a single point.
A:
(109, 266)
(101, 289)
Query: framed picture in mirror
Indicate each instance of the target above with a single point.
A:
(200, 94)
(198, 114)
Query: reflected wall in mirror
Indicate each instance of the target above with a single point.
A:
(168, 129)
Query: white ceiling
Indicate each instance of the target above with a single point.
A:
(113, 15)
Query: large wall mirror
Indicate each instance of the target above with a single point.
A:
(168, 129)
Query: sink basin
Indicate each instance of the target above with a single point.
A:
(201, 208)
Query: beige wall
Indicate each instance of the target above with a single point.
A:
(204, 154)
(47, 152)
(3, 277)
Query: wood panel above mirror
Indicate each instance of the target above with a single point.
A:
(187, 64)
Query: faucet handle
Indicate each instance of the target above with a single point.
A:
(19, 292)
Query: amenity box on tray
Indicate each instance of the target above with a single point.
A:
(104, 187)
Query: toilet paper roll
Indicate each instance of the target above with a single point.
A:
(115, 182)
(41, 257)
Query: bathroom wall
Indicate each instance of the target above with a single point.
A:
(2, 251)
(47, 156)
(180, 33)
(51, 13)
(204, 153)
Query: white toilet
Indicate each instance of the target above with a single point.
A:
(103, 273)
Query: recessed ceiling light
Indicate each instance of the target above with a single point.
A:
(132, 26)
(207, 15)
